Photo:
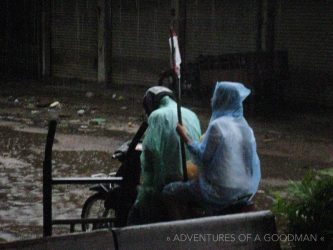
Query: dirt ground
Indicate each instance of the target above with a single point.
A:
(94, 121)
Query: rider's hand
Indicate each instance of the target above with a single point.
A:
(182, 133)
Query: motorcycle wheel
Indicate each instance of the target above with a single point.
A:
(94, 208)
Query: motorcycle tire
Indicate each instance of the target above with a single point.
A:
(94, 208)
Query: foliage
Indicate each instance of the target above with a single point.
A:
(308, 209)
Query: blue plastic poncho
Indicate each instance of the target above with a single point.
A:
(227, 154)
(161, 156)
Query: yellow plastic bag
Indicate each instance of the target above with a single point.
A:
(192, 170)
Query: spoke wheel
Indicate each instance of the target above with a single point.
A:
(94, 208)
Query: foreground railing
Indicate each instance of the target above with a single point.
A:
(48, 183)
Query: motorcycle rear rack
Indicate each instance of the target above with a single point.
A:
(49, 181)
(85, 180)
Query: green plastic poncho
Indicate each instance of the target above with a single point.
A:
(161, 156)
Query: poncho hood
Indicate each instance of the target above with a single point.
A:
(228, 99)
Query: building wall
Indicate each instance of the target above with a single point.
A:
(139, 39)
(74, 39)
(305, 30)
(216, 27)
(20, 39)
(140, 32)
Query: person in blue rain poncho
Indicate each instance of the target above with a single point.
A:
(229, 167)
(161, 156)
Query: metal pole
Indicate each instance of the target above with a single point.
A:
(179, 114)
(47, 181)
(182, 145)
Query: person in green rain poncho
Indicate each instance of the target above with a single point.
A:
(161, 157)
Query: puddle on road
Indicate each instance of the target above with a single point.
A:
(21, 159)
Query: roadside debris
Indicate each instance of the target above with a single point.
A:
(85, 117)
(89, 94)
(85, 129)
(55, 104)
(35, 112)
(30, 106)
(10, 99)
(97, 121)
(81, 112)
(117, 98)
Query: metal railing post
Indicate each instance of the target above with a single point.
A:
(47, 180)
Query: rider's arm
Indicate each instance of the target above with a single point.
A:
(149, 156)
(204, 152)
(182, 133)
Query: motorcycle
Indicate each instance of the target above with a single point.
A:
(115, 200)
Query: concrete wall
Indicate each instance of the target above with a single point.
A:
(140, 32)
(19, 39)
(229, 232)
(101, 240)
(71, 45)
(217, 27)
(304, 29)
(250, 231)
(74, 39)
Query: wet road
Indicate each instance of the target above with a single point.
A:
(22, 152)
